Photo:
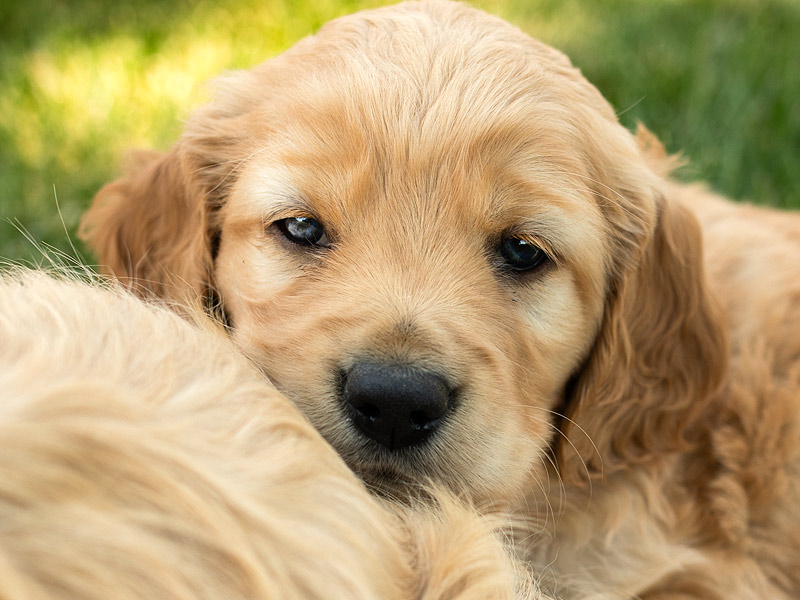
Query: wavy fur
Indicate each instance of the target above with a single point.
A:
(141, 457)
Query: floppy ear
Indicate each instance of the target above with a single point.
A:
(659, 356)
(156, 228)
(151, 228)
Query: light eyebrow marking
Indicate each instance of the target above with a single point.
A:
(286, 207)
(549, 230)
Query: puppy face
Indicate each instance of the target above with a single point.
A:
(421, 228)
(412, 276)
(422, 225)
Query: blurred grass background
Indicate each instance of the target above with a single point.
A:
(81, 81)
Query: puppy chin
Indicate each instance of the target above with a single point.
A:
(401, 474)
(409, 475)
(393, 484)
(396, 473)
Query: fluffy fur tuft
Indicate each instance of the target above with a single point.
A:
(141, 457)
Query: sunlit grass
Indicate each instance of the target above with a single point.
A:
(81, 82)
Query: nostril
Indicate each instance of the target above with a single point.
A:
(421, 421)
(368, 411)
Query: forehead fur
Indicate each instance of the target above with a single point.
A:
(399, 102)
(417, 79)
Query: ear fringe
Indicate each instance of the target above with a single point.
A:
(149, 229)
(660, 356)
(655, 154)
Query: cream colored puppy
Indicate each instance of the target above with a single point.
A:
(432, 233)
(141, 457)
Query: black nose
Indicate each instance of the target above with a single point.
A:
(395, 405)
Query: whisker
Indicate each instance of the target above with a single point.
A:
(558, 431)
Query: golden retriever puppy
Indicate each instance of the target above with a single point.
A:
(141, 457)
(433, 234)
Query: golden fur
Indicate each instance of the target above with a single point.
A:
(141, 457)
(638, 397)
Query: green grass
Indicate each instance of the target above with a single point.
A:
(82, 81)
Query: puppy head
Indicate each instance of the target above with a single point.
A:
(432, 233)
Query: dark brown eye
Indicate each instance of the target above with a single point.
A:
(304, 231)
(520, 254)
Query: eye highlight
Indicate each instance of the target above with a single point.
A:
(520, 254)
(303, 231)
